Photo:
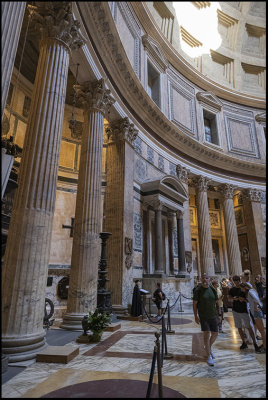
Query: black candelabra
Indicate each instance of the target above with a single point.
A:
(104, 296)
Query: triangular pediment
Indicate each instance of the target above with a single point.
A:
(209, 98)
(155, 51)
(261, 118)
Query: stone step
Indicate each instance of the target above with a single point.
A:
(57, 354)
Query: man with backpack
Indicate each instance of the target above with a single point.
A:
(159, 295)
(206, 313)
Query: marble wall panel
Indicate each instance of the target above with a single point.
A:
(241, 136)
(67, 155)
(181, 108)
(61, 242)
(130, 33)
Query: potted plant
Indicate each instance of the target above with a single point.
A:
(96, 323)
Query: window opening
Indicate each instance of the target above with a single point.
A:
(153, 84)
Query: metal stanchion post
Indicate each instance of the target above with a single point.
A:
(164, 342)
(169, 330)
(160, 387)
(153, 367)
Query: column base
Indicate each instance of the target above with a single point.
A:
(73, 321)
(155, 275)
(182, 275)
(118, 309)
(23, 348)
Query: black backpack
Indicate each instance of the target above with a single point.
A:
(163, 296)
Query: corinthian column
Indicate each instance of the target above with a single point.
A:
(204, 232)
(233, 252)
(12, 16)
(159, 267)
(181, 247)
(28, 246)
(119, 204)
(255, 230)
(82, 294)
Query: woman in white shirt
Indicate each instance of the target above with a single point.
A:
(255, 307)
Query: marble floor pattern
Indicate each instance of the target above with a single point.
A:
(127, 354)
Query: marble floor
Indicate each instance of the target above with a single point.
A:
(123, 359)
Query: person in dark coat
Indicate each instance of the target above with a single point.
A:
(136, 307)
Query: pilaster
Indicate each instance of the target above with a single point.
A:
(119, 209)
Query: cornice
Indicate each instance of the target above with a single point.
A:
(103, 34)
(185, 68)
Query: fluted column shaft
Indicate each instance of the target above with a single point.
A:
(181, 246)
(204, 232)
(119, 205)
(158, 239)
(233, 251)
(12, 17)
(82, 294)
(28, 245)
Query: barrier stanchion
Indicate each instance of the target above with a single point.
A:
(159, 371)
(164, 343)
(169, 330)
(152, 367)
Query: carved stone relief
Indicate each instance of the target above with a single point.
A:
(137, 232)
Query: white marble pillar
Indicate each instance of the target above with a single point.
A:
(27, 253)
(159, 245)
(82, 294)
(119, 211)
(255, 230)
(12, 17)
(204, 232)
(233, 252)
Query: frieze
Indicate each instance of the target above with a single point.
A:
(137, 145)
(172, 169)
(110, 51)
(161, 162)
(150, 154)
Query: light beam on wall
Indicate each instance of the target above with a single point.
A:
(198, 27)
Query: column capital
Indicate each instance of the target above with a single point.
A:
(55, 20)
(94, 95)
(201, 183)
(121, 129)
(227, 190)
(252, 194)
(179, 214)
(182, 173)
(158, 205)
(171, 214)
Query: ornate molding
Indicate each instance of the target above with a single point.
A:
(227, 190)
(155, 51)
(120, 130)
(252, 195)
(201, 183)
(101, 28)
(94, 95)
(182, 173)
(55, 20)
(261, 118)
(209, 98)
